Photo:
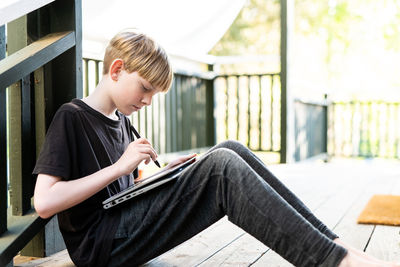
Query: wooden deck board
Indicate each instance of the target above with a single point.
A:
(385, 241)
(200, 248)
(335, 192)
(241, 252)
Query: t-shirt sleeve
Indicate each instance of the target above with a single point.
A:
(59, 147)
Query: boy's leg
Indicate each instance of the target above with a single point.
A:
(276, 184)
(220, 183)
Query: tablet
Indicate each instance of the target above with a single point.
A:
(144, 185)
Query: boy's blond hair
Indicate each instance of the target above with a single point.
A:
(142, 54)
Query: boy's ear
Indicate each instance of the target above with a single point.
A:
(115, 68)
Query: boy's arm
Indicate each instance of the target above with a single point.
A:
(52, 194)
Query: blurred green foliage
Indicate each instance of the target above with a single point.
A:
(255, 30)
(257, 25)
(353, 46)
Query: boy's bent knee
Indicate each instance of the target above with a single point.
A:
(231, 144)
(222, 156)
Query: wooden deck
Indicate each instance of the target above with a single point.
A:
(336, 192)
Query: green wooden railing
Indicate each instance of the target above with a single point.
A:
(248, 110)
(364, 129)
(181, 119)
(40, 68)
(204, 108)
(347, 129)
(311, 122)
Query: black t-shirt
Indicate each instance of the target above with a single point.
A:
(79, 142)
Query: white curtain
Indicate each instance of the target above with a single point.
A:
(183, 27)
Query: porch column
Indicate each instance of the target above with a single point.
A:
(287, 116)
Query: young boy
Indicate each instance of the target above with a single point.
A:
(89, 155)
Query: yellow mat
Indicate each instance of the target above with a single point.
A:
(381, 209)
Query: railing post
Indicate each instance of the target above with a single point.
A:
(210, 104)
(287, 121)
(326, 124)
(17, 38)
(3, 142)
(283, 48)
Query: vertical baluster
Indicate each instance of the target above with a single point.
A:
(187, 112)
(362, 143)
(379, 124)
(208, 97)
(193, 109)
(396, 123)
(27, 143)
(237, 107)
(158, 130)
(202, 102)
(272, 115)
(329, 128)
(352, 111)
(175, 114)
(325, 124)
(86, 84)
(248, 111)
(153, 134)
(146, 124)
(16, 39)
(96, 70)
(369, 123)
(167, 117)
(227, 107)
(259, 113)
(3, 142)
(388, 148)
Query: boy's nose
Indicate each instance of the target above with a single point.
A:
(146, 100)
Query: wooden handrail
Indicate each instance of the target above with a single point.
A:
(35, 55)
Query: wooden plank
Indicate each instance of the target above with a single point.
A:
(384, 243)
(3, 142)
(40, 122)
(11, 10)
(33, 56)
(17, 38)
(59, 259)
(200, 247)
(242, 251)
(358, 235)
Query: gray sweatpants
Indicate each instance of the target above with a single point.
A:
(228, 180)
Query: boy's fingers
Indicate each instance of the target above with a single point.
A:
(144, 143)
(149, 151)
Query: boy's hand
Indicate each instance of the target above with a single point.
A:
(136, 152)
(180, 160)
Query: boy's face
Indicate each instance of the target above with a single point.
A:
(132, 92)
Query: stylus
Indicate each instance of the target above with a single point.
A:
(138, 136)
